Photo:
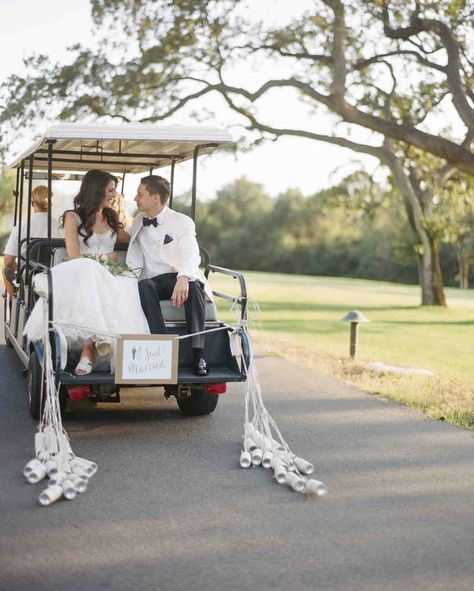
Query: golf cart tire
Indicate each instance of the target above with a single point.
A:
(6, 303)
(199, 402)
(8, 343)
(35, 391)
(36, 394)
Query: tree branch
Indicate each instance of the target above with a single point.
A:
(376, 151)
(407, 193)
(179, 104)
(303, 54)
(444, 174)
(422, 60)
(459, 156)
(338, 86)
(438, 146)
(419, 45)
(403, 32)
(448, 40)
(435, 103)
(453, 71)
(423, 197)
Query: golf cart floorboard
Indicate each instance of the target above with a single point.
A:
(217, 374)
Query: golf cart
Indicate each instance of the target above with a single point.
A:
(67, 151)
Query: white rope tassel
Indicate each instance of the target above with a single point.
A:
(263, 444)
(67, 473)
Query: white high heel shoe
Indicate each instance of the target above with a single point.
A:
(103, 346)
(84, 367)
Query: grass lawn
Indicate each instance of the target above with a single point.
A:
(300, 319)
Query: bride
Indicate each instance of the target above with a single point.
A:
(89, 301)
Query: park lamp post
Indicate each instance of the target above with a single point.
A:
(354, 317)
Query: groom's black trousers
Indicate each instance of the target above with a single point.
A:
(158, 288)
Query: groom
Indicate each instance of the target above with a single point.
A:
(163, 245)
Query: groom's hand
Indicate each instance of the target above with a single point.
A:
(180, 291)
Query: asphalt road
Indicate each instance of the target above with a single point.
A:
(171, 510)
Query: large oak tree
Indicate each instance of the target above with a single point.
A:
(391, 68)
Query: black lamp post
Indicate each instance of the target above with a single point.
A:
(354, 317)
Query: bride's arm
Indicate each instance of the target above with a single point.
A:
(71, 236)
(123, 236)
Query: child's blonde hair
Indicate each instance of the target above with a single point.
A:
(39, 197)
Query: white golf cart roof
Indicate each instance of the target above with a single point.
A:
(127, 147)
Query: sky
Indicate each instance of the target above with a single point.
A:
(50, 26)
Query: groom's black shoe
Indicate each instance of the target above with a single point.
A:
(200, 367)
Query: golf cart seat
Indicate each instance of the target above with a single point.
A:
(172, 314)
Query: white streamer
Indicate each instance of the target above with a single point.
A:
(67, 473)
(263, 443)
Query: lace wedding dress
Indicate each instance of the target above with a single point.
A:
(87, 299)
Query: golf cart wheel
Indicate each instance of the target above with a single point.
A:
(63, 398)
(6, 313)
(35, 395)
(8, 343)
(199, 402)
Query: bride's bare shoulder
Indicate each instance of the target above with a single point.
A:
(71, 217)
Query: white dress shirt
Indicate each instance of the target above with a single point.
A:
(38, 229)
(150, 239)
(176, 249)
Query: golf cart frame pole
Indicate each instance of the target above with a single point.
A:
(19, 220)
(30, 190)
(173, 164)
(28, 226)
(50, 184)
(193, 190)
(197, 149)
(102, 154)
(153, 164)
(15, 194)
(50, 206)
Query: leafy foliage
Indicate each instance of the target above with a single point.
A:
(324, 234)
(7, 185)
(392, 67)
(378, 63)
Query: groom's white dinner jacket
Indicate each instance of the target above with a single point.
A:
(175, 237)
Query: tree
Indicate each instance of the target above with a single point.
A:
(232, 225)
(386, 66)
(7, 185)
(339, 231)
(455, 220)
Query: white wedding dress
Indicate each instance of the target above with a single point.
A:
(88, 300)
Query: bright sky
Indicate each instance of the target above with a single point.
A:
(50, 26)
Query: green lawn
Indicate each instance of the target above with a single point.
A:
(300, 318)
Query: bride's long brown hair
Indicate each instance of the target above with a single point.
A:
(89, 200)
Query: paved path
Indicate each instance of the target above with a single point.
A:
(170, 510)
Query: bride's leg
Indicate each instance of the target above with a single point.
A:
(84, 367)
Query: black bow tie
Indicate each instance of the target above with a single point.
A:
(150, 222)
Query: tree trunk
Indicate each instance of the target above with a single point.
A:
(464, 268)
(429, 267)
(430, 275)
(465, 275)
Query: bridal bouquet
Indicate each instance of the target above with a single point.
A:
(112, 266)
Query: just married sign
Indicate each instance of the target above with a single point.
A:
(146, 359)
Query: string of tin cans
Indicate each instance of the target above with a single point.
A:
(66, 473)
(264, 445)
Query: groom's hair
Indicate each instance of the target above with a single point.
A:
(157, 185)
